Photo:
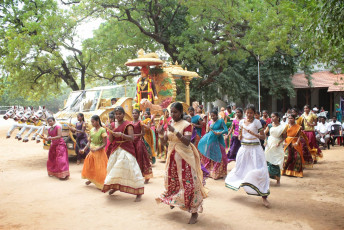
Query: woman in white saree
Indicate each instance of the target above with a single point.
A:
(274, 152)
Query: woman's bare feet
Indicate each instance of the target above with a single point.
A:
(66, 178)
(193, 219)
(112, 191)
(278, 181)
(78, 162)
(138, 198)
(266, 202)
(146, 181)
(88, 182)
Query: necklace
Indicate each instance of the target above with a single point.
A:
(143, 84)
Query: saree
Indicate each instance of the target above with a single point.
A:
(195, 120)
(229, 121)
(212, 148)
(183, 175)
(58, 163)
(307, 151)
(123, 172)
(81, 141)
(293, 159)
(149, 138)
(235, 142)
(141, 153)
(274, 154)
(310, 134)
(94, 168)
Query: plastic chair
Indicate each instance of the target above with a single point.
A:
(336, 133)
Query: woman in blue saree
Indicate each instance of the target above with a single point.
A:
(196, 121)
(212, 147)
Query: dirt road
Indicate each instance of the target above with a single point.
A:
(29, 199)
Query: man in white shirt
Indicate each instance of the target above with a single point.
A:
(323, 130)
(334, 121)
(284, 120)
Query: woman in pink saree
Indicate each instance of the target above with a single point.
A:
(58, 164)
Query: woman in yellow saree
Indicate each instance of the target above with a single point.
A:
(149, 137)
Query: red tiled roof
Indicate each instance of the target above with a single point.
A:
(324, 79)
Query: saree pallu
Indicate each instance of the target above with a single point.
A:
(233, 149)
(94, 168)
(123, 172)
(58, 163)
(293, 159)
(313, 145)
(212, 148)
(183, 176)
(210, 143)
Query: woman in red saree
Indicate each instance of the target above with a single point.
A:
(141, 153)
(123, 171)
(183, 177)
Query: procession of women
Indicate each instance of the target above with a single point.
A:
(196, 146)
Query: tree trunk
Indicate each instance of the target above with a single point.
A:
(68, 78)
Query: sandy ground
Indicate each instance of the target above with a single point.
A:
(29, 199)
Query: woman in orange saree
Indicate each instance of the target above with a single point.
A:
(293, 158)
(307, 151)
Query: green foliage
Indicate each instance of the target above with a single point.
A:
(38, 49)
(325, 35)
(52, 102)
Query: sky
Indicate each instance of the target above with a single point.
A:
(86, 28)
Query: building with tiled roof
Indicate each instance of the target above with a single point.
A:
(324, 88)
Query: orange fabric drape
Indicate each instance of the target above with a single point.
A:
(293, 133)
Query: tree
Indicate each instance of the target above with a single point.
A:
(208, 35)
(38, 49)
(326, 34)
